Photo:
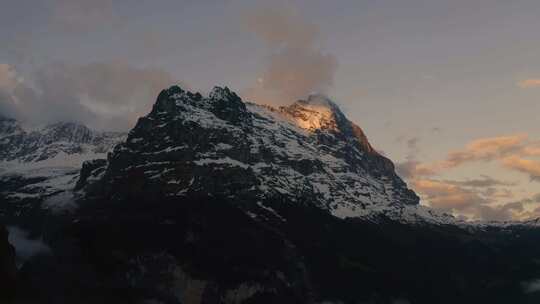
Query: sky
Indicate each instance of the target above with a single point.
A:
(447, 89)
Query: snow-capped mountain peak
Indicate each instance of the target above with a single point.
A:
(315, 113)
(217, 145)
(320, 113)
(311, 117)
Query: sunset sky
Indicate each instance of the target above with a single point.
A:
(449, 90)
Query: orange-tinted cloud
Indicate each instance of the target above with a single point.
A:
(530, 167)
(483, 198)
(529, 83)
(451, 198)
(532, 150)
(483, 149)
(443, 195)
(474, 203)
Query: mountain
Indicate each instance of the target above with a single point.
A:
(44, 164)
(54, 140)
(308, 153)
(210, 199)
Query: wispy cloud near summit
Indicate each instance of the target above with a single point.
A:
(295, 67)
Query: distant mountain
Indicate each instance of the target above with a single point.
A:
(210, 199)
(42, 163)
(55, 140)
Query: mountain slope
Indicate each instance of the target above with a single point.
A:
(307, 153)
(43, 165)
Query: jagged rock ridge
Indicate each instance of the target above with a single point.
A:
(308, 152)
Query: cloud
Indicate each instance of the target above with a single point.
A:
(296, 67)
(25, 246)
(474, 203)
(9, 81)
(532, 150)
(529, 83)
(102, 95)
(8, 78)
(483, 149)
(509, 150)
(530, 167)
(483, 182)
(446, 196)
(503, 212)
(408, 168)
(531, 200)
(470, 202)
(483, 198)
(531, 286)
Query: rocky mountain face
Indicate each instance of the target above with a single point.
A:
(307, 153)
(210, 199)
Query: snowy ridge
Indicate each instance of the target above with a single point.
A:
(351, 190)
(44, 164)
(19, 145)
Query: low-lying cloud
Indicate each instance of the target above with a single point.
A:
(102, 95)
(296, 67)
(531, 286)
(461, 198)
(26, 247)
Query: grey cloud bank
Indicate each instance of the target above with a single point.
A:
(101, 95)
